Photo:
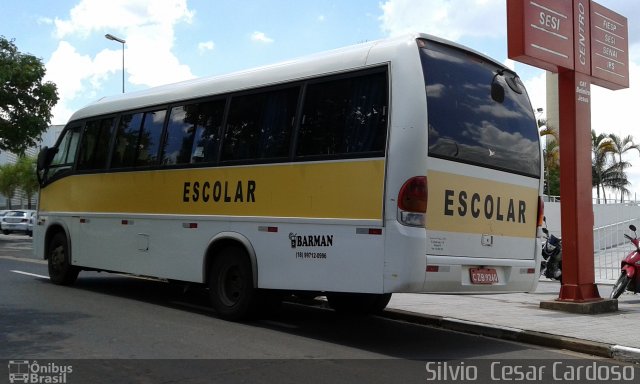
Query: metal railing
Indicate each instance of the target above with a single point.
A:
(611, 222)
(610, 247)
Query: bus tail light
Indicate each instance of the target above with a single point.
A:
(540, 211)
(412, 202)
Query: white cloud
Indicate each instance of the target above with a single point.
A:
(537, 90)
(72, 71)
(445, 18)
(616, 112)
(121, 15)
(206, 46)
(611, 112)
(509, 64)
(44, 20)
(260, 37)
(149, 30)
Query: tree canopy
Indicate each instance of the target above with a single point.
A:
(25, 100)
(608, 168)
(19, 176)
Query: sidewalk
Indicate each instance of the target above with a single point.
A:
(518, 317)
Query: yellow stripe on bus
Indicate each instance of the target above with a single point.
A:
(348, 190)
(472, 205)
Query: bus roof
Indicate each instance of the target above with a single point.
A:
(323, 63)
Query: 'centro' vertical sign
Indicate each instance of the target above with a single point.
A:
(584, 43)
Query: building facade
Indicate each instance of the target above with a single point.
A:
(20, 199)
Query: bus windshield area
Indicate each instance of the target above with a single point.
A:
(468, 122)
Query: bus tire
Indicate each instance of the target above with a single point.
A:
(231, 287)
(358, 303)
(61, 272)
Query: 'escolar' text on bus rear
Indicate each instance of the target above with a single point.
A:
(490, 207)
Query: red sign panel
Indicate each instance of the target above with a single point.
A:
(609, 48)
(540, 33)
(581, 36)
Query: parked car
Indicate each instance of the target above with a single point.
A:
(17, 221)
(32, 220)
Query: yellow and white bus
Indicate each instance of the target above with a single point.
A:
(408, 164)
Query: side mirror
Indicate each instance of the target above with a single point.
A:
(632, 227)
(497, 92)
(45, 157)
(42, 155)
(545, 231)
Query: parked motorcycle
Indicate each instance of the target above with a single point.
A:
(551, 265)
(628, 280)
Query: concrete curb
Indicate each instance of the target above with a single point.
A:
(626, 353)
(617, 352)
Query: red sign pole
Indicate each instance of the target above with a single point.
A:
(576, 209)
(574, 96)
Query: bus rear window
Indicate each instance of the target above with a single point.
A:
(467, 124)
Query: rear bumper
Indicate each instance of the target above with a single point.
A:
(443, 276)
(17, 227)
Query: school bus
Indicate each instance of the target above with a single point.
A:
(408, 164)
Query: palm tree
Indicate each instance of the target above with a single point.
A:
(613, 176)
(551, 156)
(621, 146)
(602, 174)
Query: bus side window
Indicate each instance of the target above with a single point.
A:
(150, 136)
(259, 125)
(193, 133)
(181, 130)
(138, 139)
(345, 116)
(67, 146)
(206, 145)
(94, 149)
(126, 141)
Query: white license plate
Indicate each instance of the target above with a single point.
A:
(483, 275)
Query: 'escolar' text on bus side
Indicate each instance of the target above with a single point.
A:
(219, 191)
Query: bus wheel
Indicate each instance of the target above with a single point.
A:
(61, 271)
(358, 303)
(231, 285)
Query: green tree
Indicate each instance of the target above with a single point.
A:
(25, 100)
(551, 156)
(621, 146)
(9, 181)
(27, 179)
(602, 172)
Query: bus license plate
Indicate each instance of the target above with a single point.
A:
(483, 275)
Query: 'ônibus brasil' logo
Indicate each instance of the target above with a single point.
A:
(310, 240)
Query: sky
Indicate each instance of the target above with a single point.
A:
(174, 40)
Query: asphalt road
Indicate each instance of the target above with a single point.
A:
(114, 328)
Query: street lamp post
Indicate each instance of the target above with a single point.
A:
(121, 41)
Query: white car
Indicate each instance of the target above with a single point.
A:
(17, 221)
